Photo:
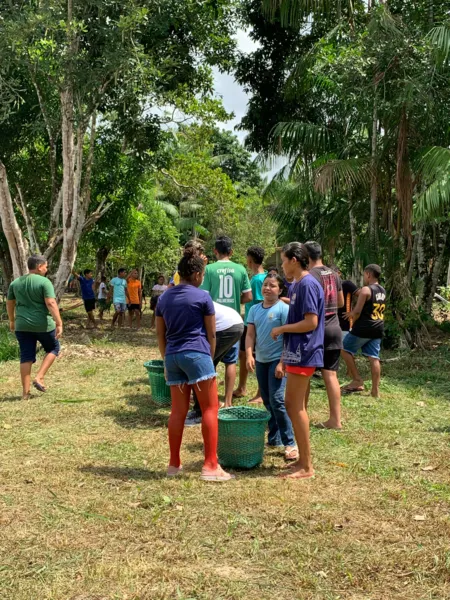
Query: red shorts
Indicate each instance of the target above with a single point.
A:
(305, 371)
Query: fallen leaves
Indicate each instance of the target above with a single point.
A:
(428, 468)
(419, 517)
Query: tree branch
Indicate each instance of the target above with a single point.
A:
(180, 185)
(20, 203)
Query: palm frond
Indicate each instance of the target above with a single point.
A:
(435, 170)
(440, 39)
(343, 174)
(292, 138)
(169, 208)
(189, 206)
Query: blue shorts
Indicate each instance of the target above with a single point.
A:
(120, 307)
(370, 348)
(28, 340)
(232, 356)
(188, 367)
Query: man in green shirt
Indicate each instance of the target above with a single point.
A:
(34, 317)
(228, 284)
(255, 259)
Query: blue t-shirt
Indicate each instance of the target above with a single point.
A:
(87, 288)
(183, 309)
(256, 283)
(264, 320)
(305, 349)
(119, 286)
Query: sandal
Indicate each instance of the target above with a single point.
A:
(39, 386)
(174, 471)
(218, 475)
(352, 390)
(291, 453)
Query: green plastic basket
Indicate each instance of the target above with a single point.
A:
(160, 390)
(241, 436)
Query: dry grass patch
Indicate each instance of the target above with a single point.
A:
(87, 514)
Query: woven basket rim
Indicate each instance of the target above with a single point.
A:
(225, 414)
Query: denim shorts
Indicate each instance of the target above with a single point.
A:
(370, 348)
(28, 340)
(188, 367)
(120, 307)
(232, 356)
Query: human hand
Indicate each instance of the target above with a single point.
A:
(12, 326)
(348, 316)
(251, 364)
(276, 331)
(59, 331)
(279, 371)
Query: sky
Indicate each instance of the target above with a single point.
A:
(233, 96)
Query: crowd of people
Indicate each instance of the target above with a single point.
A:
(295, 325)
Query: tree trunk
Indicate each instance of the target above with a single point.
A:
(448, 275)
(437, 267)
(100, 262)
(355, 265)
(17, 243)
(373, 233)
(413, 261)
(5, 265)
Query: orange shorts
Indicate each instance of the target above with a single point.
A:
(305, 371)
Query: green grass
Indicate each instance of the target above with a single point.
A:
(86, 512)
(8, 345)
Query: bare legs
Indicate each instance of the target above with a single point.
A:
(91, 319)
(357, 381)
(118, 317)
(241, 390)
(334, 399)
(296, 392)
(25, 373)
(230, 378)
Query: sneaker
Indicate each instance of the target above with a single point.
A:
(192, 419)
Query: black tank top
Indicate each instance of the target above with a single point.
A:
(371, 321)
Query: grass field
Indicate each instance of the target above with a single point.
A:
(87, 514)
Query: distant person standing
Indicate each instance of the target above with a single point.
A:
(118, 286)
(159, 288)
(255, 258)
(367, 331)
(88, 295)
(334, 299)
(102, 297)
(348, 289)
(228, 284)
(34, 317)
(134, 296)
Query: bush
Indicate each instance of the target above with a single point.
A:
(9, 349)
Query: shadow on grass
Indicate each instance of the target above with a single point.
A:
(123, 473)
(10, 399)
(146, 416)
(133, 382)
(443, 429)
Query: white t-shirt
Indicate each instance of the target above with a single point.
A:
(226, 317)
(102, 291)
(157, 289)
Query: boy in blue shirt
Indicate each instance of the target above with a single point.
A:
(88, 295)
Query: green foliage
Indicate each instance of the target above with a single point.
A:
(9, 349)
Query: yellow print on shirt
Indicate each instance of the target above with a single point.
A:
(378, 312)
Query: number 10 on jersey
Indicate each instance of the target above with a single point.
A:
(226, 286)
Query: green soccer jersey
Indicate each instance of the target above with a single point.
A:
(256, 283)
(226, 281)
(30, 292)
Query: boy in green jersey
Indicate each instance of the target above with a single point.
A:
(228, 284)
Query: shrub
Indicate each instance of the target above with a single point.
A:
(9, 349)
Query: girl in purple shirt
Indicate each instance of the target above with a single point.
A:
(303, 349)
(186, 331)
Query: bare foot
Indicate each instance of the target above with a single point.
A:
(299, 473)
(256, 400)
(375, 394)
(221, 405)
(239, 393)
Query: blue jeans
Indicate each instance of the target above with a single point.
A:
(188, 367)
(272, 393)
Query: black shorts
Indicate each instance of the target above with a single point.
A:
(331, 360)
(28, 341)
(89, 305)
(242, 346)
(132, 307)
(153, 302)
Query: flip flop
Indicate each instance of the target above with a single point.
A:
(39, 386)
(174, 471)
(324, 427)
(238, 395)
(291, 454)
(348, 390)
(220, 475)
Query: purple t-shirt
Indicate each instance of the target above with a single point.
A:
(183, 309)
(305, 349)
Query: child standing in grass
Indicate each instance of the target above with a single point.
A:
(101, 298)
(262, 318)
(303, 348)
(186, 331)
